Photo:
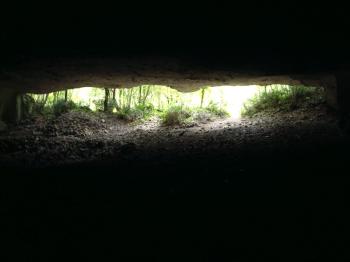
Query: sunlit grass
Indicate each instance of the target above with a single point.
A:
(282, 98)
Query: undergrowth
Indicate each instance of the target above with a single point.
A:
(282, 98)
(181, 115)
(141, 103)
(137, 113)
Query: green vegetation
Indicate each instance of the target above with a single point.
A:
(139, 112)
(176, 115)
(181, 115)
(216, 110)
(55, 104)
(170, 106)
(132, 104)
(282, 98)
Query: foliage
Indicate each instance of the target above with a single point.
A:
(99, 104)
(29, 105)
(281, 98)
(140, 112)
(34, 104)
(142, 102)
(216, 110)
(131, 104)
(180, 115)
(62, 106)
(208, 113)
(176, 115)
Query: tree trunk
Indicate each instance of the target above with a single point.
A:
(55, 97)
(115, 102)
(65, 96)
(140, 94)
(129, 98)
(113, 94)
(202, 96)
(105, 104)
(148, 88)
(44, 102)
(121, 103)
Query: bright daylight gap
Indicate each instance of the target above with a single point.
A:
(170, 105)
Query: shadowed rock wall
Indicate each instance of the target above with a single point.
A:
(46, 48)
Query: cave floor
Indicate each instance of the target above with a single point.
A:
(79, 138)
(273, 186)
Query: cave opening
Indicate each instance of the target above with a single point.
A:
(93, 180)
(152, 123)
(144, 100)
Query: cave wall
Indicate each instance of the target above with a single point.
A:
(43, 76)
(343, 93)
(44, 49)
(10, 105)
(280, 36)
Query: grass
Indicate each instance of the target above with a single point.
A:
(176, 115)
(137, 113)
(180, 115)
(216, 110)
(282, 98)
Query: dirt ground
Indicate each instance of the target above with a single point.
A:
(78, 137)
(255, 189)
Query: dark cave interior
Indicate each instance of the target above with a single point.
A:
(269, 188)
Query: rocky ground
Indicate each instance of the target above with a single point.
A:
(250, 190)
(79, 137)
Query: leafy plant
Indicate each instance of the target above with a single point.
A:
(62, 106)
(140, 112)
(176, 115)
(216, 110)
(281, 98)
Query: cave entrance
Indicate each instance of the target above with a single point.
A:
(155, 122)
(145, 101)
